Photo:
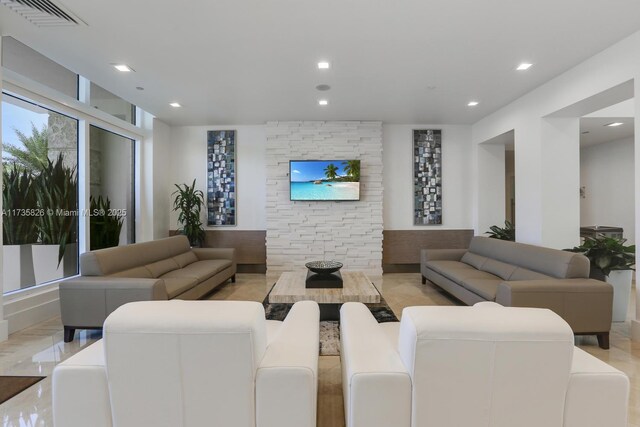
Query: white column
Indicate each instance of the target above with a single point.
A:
(560, 179)
(635, 323)
(528, 182)
(547, 165)
(144, 180)
(84, 190)
(490, 186)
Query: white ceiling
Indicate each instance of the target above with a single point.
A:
(597, 132)
(250, 61)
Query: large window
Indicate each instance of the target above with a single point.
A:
(39, 193)
(106, 101)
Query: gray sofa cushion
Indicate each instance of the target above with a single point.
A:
(474, 260)
(460, 272)
(200, 270)
(112, 260)
(161, 267)
(486, 288)
(499, 268)
(137, 272)
(185, 259)
(178, 285)
(525, 274)
(551, 262)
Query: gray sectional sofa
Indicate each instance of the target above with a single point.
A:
(521, 275)
(157, 270)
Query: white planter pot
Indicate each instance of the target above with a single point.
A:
(45, 262)
(18, 267)
(621, 282)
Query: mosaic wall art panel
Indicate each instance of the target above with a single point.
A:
(427, 177)
(221, 177)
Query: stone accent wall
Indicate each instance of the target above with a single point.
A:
(63, 138)
(349, 232)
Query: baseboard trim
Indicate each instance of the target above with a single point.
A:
(252, 268)
(635, 330)
(401, 268)
(22, 313)
(4, 330)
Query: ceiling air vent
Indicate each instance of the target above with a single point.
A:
(43, 13)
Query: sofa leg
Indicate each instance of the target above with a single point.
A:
(603, 340)
(424, 280)
(69, 333)
(233, 279)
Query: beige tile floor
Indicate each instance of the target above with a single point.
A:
(35, 351)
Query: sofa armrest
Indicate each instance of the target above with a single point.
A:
(80, 390)
(585, 304)
(88, 300)
(287, 377)
(376, 384)
(441, 254)
(597, 394)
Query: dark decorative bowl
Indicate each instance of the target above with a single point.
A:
(324, 267)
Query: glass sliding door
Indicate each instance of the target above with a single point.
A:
(39, 193)
(111, 157)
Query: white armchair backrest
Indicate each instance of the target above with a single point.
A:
(486, 365)
(184, 363)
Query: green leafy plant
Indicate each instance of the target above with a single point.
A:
(34, 156)
(19, 204)
(607, 253)
(103, 227)
(506, 233)
(56, 190)
(188, 202)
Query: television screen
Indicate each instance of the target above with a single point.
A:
(324, 179)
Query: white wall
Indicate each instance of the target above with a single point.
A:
(188, 160)
(607, 173)
(397, 141)
(161, 183)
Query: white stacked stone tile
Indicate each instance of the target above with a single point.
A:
(350, 232)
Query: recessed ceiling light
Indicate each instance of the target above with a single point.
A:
(123, 68)
(614, 124)
(323, 87)
(175, 105)
(473, 103)
(524, 66)
(139, 88)
(323, 102)
(323, 65)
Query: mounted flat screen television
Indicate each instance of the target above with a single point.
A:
(327, 180)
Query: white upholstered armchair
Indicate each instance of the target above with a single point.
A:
(193, 363)
(485, 365)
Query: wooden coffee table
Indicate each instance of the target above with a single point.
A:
(357, 287)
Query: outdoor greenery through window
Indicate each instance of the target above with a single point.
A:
(39, 194)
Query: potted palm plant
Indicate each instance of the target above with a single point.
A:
(613, 262)
(188, 202)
